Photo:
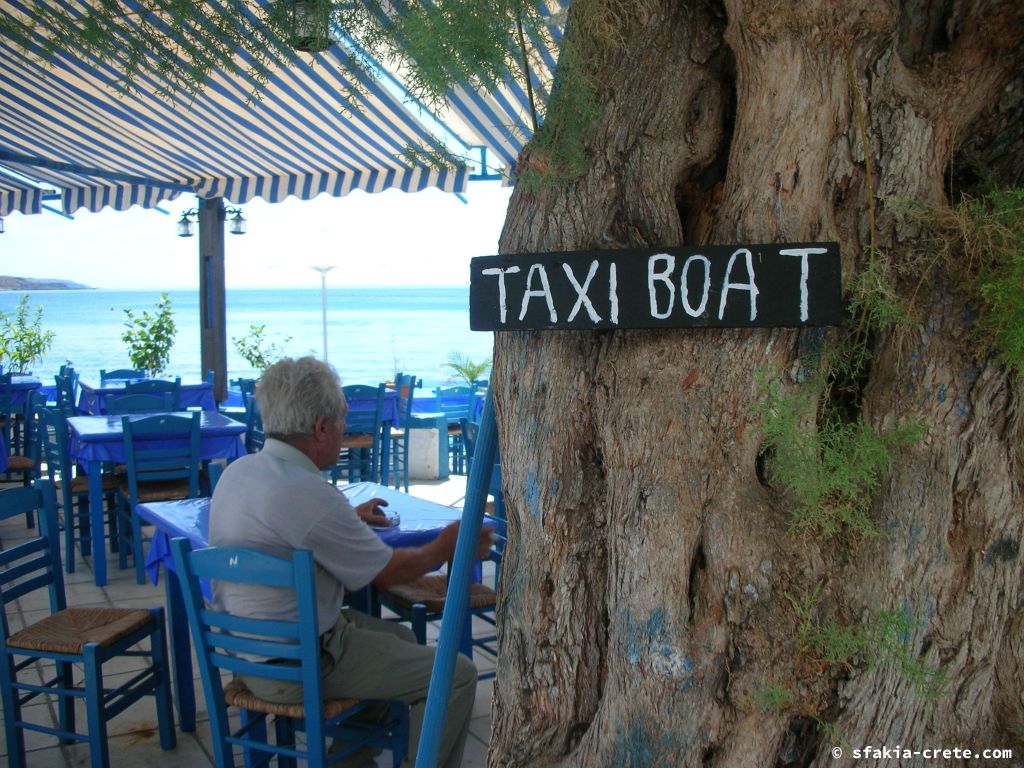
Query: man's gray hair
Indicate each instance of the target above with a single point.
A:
(293, 394)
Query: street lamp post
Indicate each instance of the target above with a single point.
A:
(323, 300)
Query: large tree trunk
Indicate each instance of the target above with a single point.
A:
(644, 592)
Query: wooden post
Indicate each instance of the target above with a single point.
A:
(212, 318)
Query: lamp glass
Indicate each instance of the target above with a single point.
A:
(185, 226)
(237, 224)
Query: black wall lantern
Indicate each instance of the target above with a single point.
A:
(311, 25)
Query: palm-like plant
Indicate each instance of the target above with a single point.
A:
(466, 368)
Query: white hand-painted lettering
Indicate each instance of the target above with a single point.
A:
(582, 299)
(613, 293)
(543, 292)
(750, 287)
(502, 293)
(663, 276)
(805, 270)
(684, 286)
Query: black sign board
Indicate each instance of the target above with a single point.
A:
(715, 286)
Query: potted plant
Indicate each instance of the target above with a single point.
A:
(150, 337)
(22, 338)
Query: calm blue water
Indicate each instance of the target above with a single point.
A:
(371, 332)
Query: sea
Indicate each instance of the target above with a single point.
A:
(372, 333)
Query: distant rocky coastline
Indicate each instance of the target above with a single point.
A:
(8, 283)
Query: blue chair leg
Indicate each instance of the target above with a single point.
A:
(140, 563)
(66, 704)
(99, 752)
(15, 737)
(255, 725)
(164, 705)
(419, 623)
(284, 732)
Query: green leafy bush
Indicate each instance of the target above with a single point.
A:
(882, 637)
(150, 337)
(999, 219)
(831, 468)
(22, 338)
(256, 350)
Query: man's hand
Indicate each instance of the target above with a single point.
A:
(449, 536)
(370, 512)
(409, 563)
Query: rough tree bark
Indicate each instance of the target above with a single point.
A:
(643, 590)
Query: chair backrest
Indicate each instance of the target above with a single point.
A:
(161, 402)
(245, 646)
(162, 447)
(34, 407)
(365, 417)
(53, 443)
(121, 373)
(156, 387)
(254, 434)
(35, 563)
(405, 387)
(456, 402)
(66, 395)
(8, 412)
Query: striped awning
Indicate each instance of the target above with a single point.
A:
(67, 135)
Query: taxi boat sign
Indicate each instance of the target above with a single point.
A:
(716, 286)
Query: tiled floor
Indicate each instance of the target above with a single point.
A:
(132, 735)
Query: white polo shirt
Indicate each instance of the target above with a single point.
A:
(276, 501)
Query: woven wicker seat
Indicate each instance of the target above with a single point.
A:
(20, 464)
(430, 591)
(236, 694)
(159, 490)
(80, 483)
(69, 630)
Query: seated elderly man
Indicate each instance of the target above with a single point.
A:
(276, 501)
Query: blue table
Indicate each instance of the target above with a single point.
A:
(93, 398)
(421, 521)
(98, 439)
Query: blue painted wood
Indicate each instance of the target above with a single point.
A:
(457, 600)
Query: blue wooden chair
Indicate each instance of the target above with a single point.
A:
(71, 641)
(254, 434)
(118, 405)
(456, 403)
(120, 374)
(405, 386)
(163, 461)
(359, 459)
(157, 387)
(66, 394)
(73, 488)
(278, 649)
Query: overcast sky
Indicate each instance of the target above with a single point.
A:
(390, 238)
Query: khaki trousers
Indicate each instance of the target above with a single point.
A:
(363, 657)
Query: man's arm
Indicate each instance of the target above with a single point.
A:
(409, 563)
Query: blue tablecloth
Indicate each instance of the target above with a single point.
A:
(92, 400)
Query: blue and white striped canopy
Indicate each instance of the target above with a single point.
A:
(66, 134)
